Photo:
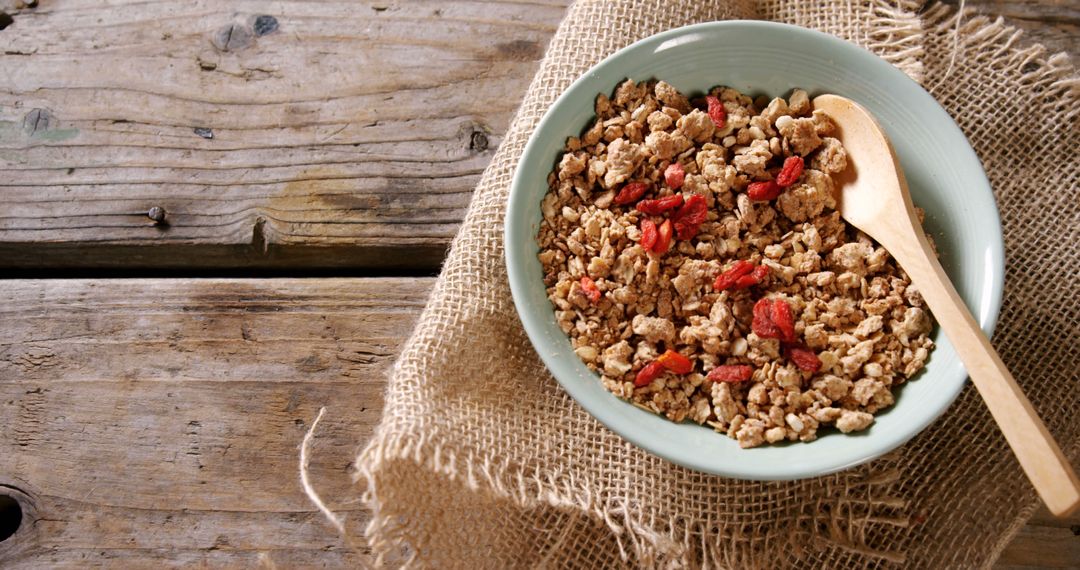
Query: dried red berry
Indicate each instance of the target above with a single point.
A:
(660, 205)
(763, 326)
(674, 175)
(763, 190)
(648, 234)
(651, 372)
(676, 362)
(793, 168)
(663, 238)
(717, 112)
(588, 286)
(690, 216)
(753, 278)
(630, 193)
(731, 373)
(783, 319)
(727, 279)
(803, 357)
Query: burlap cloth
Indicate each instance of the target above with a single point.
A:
(482, 461)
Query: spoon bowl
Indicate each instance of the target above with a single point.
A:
(873, 189)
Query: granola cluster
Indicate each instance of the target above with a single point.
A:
(694, 256)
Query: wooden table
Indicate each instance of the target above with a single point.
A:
(216, 218)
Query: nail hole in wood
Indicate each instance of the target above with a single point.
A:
(10, 517)
(157, 214)
(478, 141)
(6, 20)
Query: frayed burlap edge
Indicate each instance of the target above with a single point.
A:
(1051, 73)
(648, 545)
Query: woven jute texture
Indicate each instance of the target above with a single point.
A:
(482, 461)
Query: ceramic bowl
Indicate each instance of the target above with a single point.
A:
(942, 170)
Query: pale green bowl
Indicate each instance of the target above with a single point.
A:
(759, 57)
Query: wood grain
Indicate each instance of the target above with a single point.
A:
(152, 421)
(156, 421)
(352, 135)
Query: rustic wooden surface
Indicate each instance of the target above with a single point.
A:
(156, 421)
(351, 136)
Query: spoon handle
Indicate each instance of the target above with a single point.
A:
(1039, 455)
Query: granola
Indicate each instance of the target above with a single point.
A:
(694, 255)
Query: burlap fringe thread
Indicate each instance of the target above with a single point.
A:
(650, 543)
(1052, 76)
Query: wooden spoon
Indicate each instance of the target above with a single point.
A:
(874, 198)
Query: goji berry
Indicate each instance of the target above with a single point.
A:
(651, 372)
(763, 309)
(763, 190)
(690, 216)
(731, 373)
(660, 205)
(674, 175)
(803, 357)
(717, 112)
(753, 278)
(727, 279)
(630, 193)
(792, 170)
(588, 286)
(676, 362)
(648, 234)
(663, 238)
(783, 319)
(763, 326)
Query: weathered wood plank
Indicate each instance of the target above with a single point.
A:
(351, 135)
(157, 421)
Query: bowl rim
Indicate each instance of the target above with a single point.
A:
(989, 308)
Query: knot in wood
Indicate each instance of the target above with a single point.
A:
(37, 120)
(232, 37)
(12, 513)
